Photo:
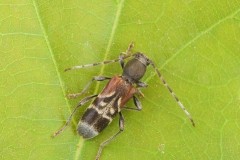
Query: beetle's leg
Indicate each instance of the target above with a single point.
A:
(135, 99)
(82, 102)
(129, 49)
(124, 54)
(96, 78)
(137, 104)
(103, 144)
(121, 60)
(141, 84)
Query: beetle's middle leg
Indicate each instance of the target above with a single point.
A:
(137, 103)
(95, 78)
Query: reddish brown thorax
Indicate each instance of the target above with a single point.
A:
(122, 88)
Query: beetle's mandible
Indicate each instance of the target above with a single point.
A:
(112, 99)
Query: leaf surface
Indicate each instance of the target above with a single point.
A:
(195, 44)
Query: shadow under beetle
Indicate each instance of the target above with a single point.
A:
(114, 96)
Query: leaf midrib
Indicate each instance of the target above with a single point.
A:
(49, 47)
(51, 51)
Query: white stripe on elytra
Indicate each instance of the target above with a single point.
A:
(119, 103)
(106, 95)
(107, 109)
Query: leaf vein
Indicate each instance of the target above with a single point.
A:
(195, 39)
(115, 23)
(50, 50)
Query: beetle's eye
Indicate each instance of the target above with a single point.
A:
(148, 61)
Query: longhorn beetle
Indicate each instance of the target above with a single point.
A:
(114, 96)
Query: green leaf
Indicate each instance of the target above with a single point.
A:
(195, 44)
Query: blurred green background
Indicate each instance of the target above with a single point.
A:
(194, 43)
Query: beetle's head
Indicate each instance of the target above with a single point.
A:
(135, 68)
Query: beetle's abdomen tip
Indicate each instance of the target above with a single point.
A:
(86, 131)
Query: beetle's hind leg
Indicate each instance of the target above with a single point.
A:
(103, 144)
(82, 102)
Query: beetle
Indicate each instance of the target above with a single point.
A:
(119, 90)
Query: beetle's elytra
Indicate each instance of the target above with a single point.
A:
(105, 107)
(116, 93)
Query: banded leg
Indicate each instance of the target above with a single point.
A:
(96, 78)
(141, 84)
(103, 144)
(127, 53)
(172, 93)
(82, 102)
(137, 103)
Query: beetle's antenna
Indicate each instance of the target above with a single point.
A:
(123, 55)
(96, 64)
(172, 93)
